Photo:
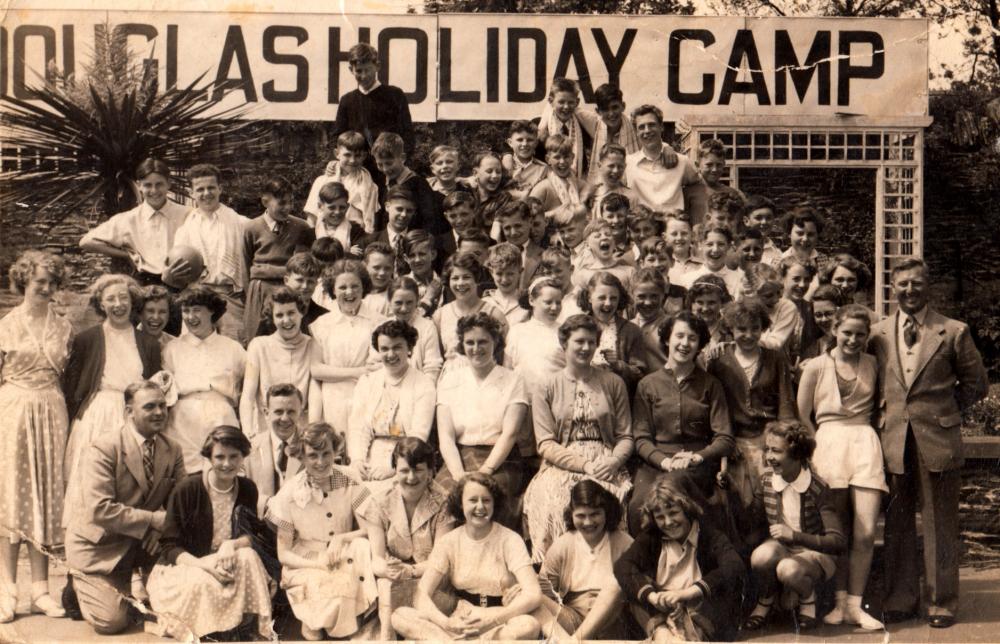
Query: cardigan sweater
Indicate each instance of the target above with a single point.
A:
(189, 516)
(722, 572)
(754, 404)
(821, 527)
(82, 377)
(559, 558)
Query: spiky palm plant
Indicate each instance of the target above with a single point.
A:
(81, 140)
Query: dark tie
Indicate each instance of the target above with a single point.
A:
(565, 130)
(279, 228)
(147, 458)
(910, 333)
(282, 457)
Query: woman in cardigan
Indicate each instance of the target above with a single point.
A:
(758, 388)
(389, 404)
(680, 416)
(206, 580)
(681, 575)
(583, 429)
(103, 361)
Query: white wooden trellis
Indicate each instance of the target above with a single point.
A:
(891, 147)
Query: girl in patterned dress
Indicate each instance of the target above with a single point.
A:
(34, 347)
(325, 557)
(583, 429)
(207, 580)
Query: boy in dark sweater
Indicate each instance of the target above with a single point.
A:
(269, 241)
(372, 108)
(390, 157)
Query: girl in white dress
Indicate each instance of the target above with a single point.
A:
(463, 275)
(287, 355)
(532, 347)
(344, 336)
(207, 370)
(404, 296)
(839, 388)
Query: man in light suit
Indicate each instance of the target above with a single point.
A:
(929, 372)
(269, 464)
(126, 478)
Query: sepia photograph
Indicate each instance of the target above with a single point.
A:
(545, 320)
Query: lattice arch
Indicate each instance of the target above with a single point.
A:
(894, 149)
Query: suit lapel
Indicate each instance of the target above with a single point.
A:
(133, 459)
(893, 349)
(930, 341)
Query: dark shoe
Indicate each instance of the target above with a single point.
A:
(897, 616)
(70, 603)
(805, 622)
(941, 621)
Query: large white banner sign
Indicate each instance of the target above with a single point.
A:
(293, 66)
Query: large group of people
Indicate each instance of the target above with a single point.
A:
(586, 395)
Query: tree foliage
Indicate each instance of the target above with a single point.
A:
(655, 7)
(80, 140)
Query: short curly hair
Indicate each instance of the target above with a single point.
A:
(395, 329)
(342, 266)
(465, 261)
(201, 295)
(454, 503)
(486, 322)
(694, 323)
(602, 278)
(801, 443)
(22, 270)
(228, 436)
(704, 285)
(849, 263)
(106, 281)
(590, 493)
(317, 436)
(749, 310)
(577, 322)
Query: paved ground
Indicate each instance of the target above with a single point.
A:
(979, 621)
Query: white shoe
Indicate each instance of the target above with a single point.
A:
(47, 606)
(861, 617)
(310, 634)
(835, 616)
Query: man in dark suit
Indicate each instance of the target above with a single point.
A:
(126, 478)
(929, 373)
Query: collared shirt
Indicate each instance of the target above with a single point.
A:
(733, 277)
(659, 187)
(146, 234)
(478, 407)
(218, 236)
(140, 440)
(908, 356)
(772, 254)
(215, 363)
(791, 496)
(270, 222)
(677, 567)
